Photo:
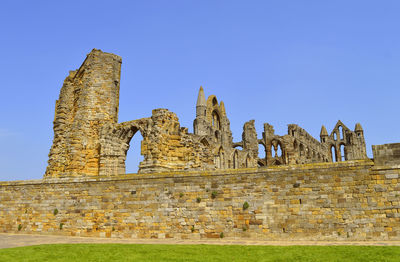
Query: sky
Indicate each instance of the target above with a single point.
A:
(307, 62)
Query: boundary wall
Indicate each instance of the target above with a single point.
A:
(352, 200)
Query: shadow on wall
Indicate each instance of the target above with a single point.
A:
(133, 156)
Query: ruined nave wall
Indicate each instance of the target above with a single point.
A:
(352, 200)
(89, 99)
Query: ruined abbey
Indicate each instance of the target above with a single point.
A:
(201, 184)
(88, 140)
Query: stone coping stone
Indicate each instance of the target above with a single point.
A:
(276, 170)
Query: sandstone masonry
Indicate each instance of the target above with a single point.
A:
(89, 141)
(350, 200)
(200, 185)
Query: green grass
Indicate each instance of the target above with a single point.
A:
(230, 253)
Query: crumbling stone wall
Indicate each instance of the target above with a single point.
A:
(89, 141)
(213, 126)
(352, 143)
(165, 146)
(114, 144)
(85, 181)
(299, 147)
(88, 99)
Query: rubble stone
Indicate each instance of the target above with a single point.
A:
(200, 185)
(89, 141)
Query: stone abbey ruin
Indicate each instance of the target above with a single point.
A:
(88, 140)
(201, 184)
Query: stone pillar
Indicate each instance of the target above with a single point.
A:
(249, 138)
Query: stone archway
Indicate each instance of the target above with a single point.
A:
(114, 145)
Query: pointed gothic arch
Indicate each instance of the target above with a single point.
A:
(216, 120)
(235, 159)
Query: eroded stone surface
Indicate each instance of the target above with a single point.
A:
(297, 195)
(88, 100)
(350, 200)
(89, 141)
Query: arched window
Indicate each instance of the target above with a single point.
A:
(279, 151)
(273, 151)
(235, 160)
(334, 136)
(261, 151)
(333, 154)
(214, 101)
(217, 161)
(217, 134)
(342, 153)
(215, 120)
(247, 161)
(341, 132)
(221, 157)
(301, 150)
(133, 153)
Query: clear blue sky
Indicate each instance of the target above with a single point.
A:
(281, 62)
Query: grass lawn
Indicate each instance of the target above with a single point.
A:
(132, 252)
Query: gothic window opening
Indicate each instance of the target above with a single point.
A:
(221, 156)
(341, 132)
(308, 153)
(342, 153)
(235, 160)
(261, 151)
(216, 135)
(301, 150)
(214, 101)
(273, 151)
(333, 154)
(133, 153)
(216, 120)
(279, 151)
(247, 161)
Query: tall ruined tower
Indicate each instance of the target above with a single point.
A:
(212, 124)
(200, 125)
(89, 98)
(359, 151)
(211, 119)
